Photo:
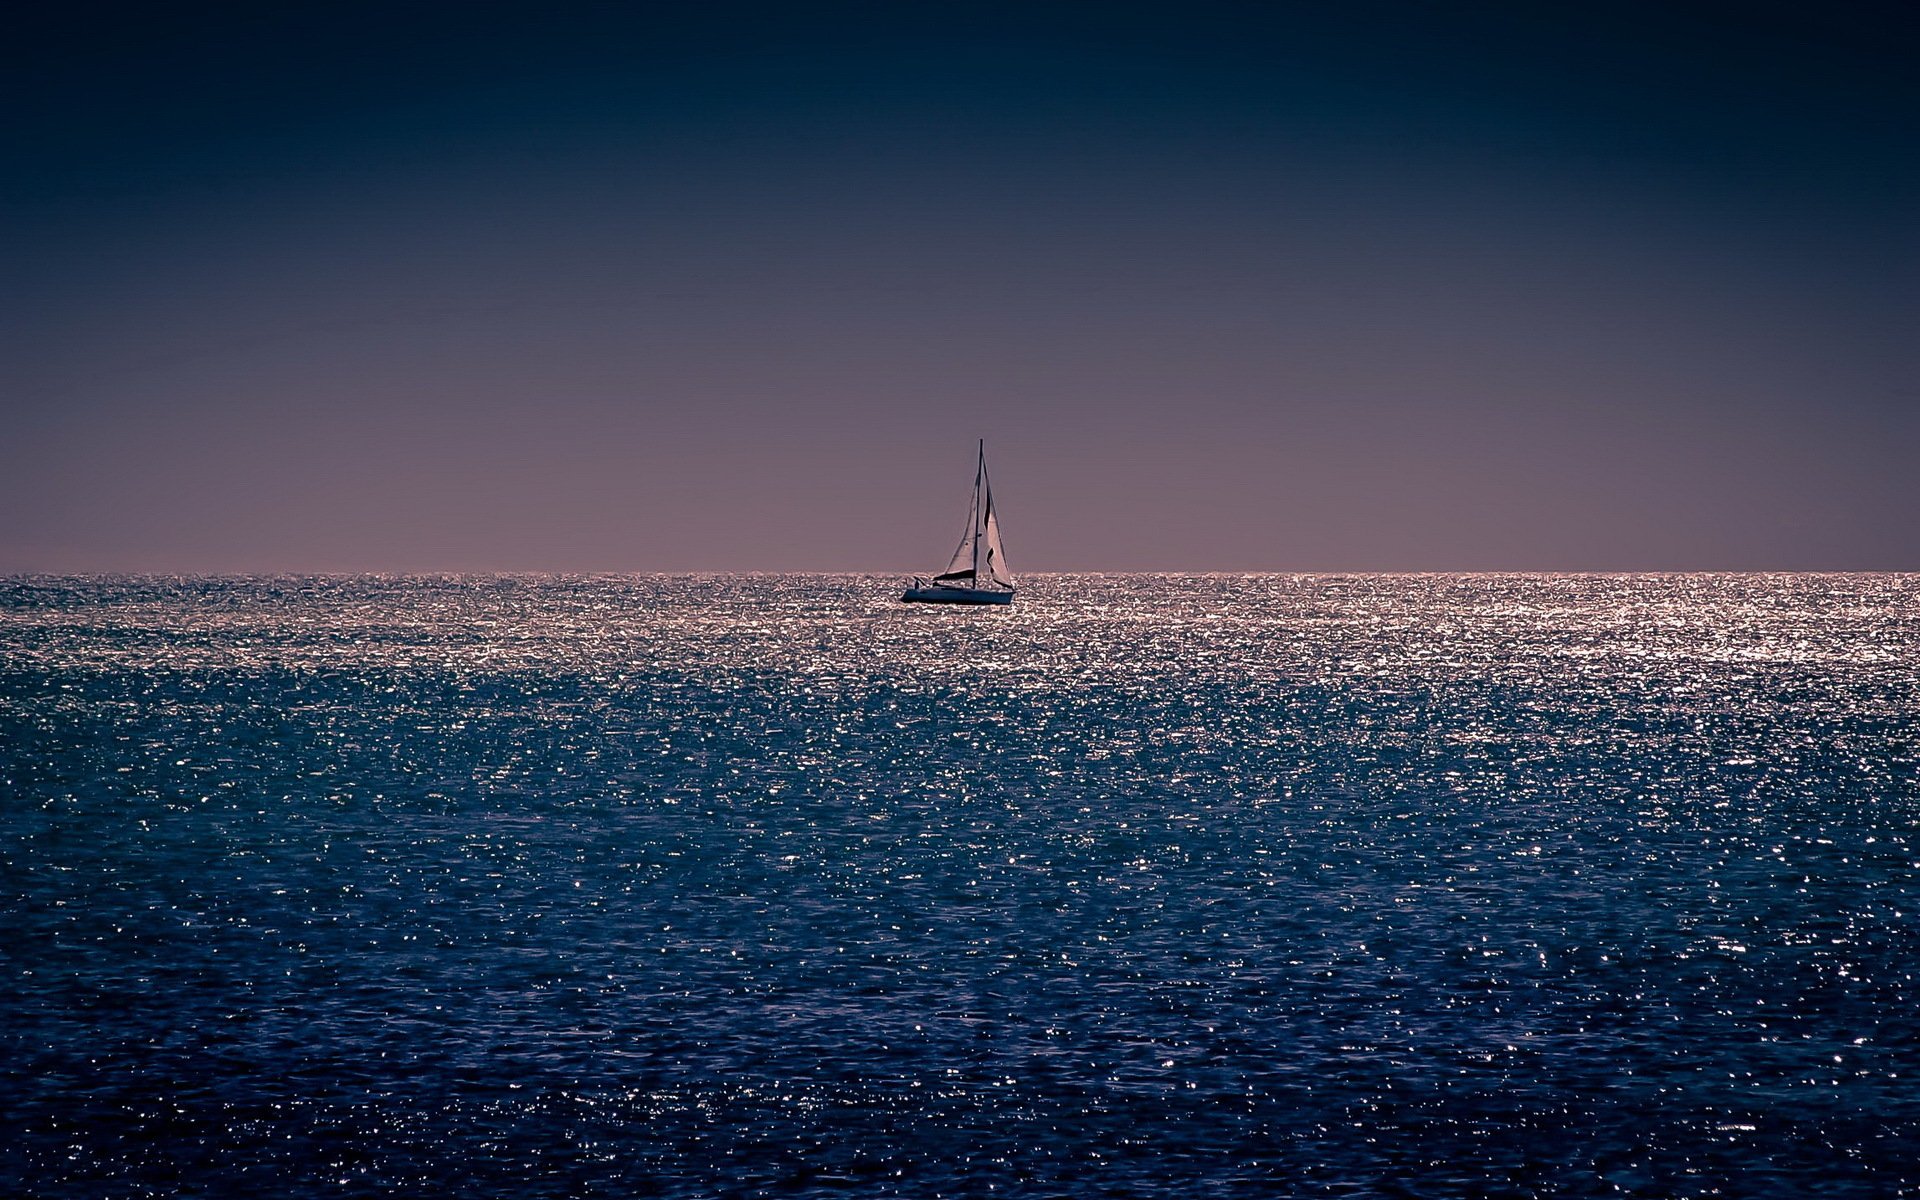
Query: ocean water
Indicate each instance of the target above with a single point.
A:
(1438, 886)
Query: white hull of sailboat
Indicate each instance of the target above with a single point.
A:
(956, 595)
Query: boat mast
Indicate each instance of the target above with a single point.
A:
(979, 518)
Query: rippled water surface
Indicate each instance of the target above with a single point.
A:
(1149, 886)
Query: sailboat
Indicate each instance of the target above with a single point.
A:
(978, 572)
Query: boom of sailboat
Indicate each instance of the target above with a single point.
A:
(977, 573)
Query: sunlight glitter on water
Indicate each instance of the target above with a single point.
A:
(1456, 885)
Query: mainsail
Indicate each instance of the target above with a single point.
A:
(993, 563)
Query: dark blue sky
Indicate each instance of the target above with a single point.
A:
(624, 287)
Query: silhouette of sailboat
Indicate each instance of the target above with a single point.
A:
(978, 571)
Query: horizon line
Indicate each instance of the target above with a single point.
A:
(759, 572)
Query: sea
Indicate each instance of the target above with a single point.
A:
(1149, 885)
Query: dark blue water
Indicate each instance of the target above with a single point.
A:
(1150, 886)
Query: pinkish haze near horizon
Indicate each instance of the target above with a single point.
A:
(639, 290)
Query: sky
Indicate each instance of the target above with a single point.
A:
(1236, 287)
